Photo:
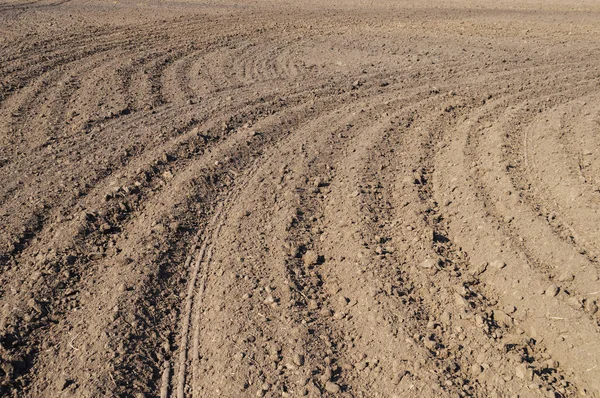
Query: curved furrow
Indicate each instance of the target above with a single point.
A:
(492, 253)
(268, 199)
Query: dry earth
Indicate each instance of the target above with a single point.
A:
(299, 198)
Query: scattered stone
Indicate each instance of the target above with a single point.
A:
(105, 228)
(523, 372)
(591, 307)
(498, 264)
(362, 365)
(265, 386)
(503, 319)
(339, 315)
(311, 258)
(312, 304)
(566, 277)
(574, 303)
(326, 312)
(62, 383)
(461, 301)
(445, 318)
(332, 388)
(552, 290)
(430, 344)
(429, 263)
(510, 309)
(480, 269)
(298, 359)
(551, 364)
(476, 369)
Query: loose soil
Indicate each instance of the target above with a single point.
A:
(299, 198)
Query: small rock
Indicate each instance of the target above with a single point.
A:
(551, 364)
(476, 369)
(311, 258)
(362, 365)
(566, 277)
(461, 301)
(509, 309)
(429, 263)
(430, 344)
(326, 312)
(552, 290)
(498, 264)
(445, 318)
(480, 269)
(503, 319)
(591, 307)
(298, 359)
(339, 315)
(62, 383)
(524, 373)
(574, 303)
(332, 388)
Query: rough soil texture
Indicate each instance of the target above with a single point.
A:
(299, 198)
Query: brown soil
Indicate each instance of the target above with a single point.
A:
(299, 198)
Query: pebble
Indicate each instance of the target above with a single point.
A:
(498, 264)
(574, 303)
(503, 319)
(591, 307)
(361, 365)
(339, 315)
(429, 263)
(509, 309)
(524, 373)
(551, 364)
(552, 290)
(480, 269)
(62, 383)
(311, 257)
(566, 277)
(476, 369)
(461, 301)
(332, 388)
(298, 359)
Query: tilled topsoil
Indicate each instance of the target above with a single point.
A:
(307, 198)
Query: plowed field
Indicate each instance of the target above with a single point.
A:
(307, 198)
